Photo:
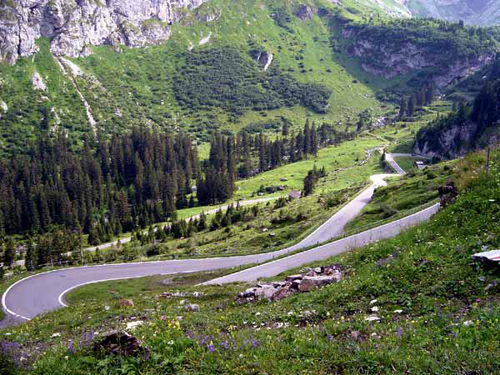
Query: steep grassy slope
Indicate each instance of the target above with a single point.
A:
(438, 310)
(136, 86)
(305, 48)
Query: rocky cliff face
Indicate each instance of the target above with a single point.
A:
(450, 143)
(75, 25)
(388, 58)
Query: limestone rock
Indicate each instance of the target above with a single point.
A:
(266, 292)
(282, 294)
(193, 307)
(299, 283)
(313, 282)
(74, 26)
(304, 12)
(292, 278)
(396, 59)
(38, 82)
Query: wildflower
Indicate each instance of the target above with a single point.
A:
(206, 339)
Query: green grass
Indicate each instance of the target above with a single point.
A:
(402, 196)
(334, 159)
(408, 162)
(448, 322)
(134, 86)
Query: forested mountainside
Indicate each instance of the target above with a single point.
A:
(203, 67)
(471, 125)
(135, 180)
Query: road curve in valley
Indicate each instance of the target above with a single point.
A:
(45, 292)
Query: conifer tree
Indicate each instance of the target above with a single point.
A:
(411, 106)
(9, 253)
(403, 107)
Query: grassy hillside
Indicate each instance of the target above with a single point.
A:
(312, 73)
(438, 310)
(127, 87)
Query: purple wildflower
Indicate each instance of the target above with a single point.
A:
(254, 343)
(206, 339)
(71, 348)
(224, 344)
(211, 347)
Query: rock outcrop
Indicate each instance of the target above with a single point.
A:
(73, 26)
(390, 59)
(300, 283)
(448, 143)
(304, 12)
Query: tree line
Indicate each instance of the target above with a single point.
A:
(110, 186)
(245, 155)
(127, 182)
(422, 97)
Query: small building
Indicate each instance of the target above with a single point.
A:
(295, 194)
(420, 164)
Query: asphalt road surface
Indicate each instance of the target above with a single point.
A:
(45, 292)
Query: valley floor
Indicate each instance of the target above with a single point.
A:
(412, 304)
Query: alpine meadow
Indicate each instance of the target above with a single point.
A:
(249, 187)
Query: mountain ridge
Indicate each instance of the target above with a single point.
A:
(73, 26)
(474, 12)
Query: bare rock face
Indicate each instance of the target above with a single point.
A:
(73, 26)
(304, 12)
(449, 143)
(388, 58)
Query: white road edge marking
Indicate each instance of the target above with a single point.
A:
(60, 299)
(9, 311)
(319, 248)
(4, 296)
